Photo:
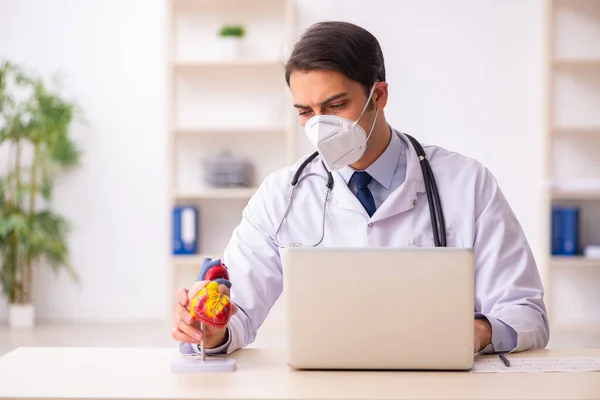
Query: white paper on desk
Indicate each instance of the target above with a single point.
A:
(539, 364)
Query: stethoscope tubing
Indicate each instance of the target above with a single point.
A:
(438, 223)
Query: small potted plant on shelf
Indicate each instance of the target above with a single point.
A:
(230, 40)
(35, 140)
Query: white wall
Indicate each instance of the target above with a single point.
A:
(112, 55)
(464, 74)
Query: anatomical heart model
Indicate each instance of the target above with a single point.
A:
(212, 305)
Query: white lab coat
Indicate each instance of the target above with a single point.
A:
(477, 216)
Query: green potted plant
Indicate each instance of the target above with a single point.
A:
(35, 134)
(230, 40)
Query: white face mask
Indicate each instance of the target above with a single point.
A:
(339, 141)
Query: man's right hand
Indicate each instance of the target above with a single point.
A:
(187, 329)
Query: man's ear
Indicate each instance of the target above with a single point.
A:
(380, 95)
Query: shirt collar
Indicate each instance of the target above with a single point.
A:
(382, 169)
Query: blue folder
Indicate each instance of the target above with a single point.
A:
(565, 231)
(185, 230)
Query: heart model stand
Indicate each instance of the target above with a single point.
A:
(211, 306)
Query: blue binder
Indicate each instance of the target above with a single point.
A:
(565, 231)
(185, 230)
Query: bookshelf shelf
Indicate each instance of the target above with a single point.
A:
(215, 131)
(575, 194)
(212, 193)
(225, 5)
(574, 262)
(193, 260)
(577, 62)
(202, 65)
(578, 131)
(577, 327)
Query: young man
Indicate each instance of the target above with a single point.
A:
(336, 74)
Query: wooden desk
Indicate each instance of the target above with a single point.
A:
(143, 373)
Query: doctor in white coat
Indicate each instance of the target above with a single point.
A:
(337, 78)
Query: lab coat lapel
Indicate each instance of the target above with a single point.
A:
(342, 196)
(405, 197)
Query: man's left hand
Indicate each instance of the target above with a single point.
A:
(483, 334)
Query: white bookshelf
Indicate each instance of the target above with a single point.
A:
(216, 103)
(573, 159)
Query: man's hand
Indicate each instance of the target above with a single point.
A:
(483, 334)
(187, 329)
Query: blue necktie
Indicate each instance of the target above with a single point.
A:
(361, 180)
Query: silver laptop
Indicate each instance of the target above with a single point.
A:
(379, 308)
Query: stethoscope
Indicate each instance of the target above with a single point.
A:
(433, 197)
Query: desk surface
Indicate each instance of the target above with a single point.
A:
(143, 373)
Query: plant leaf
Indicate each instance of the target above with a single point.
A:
(46, 189)
(48, 241)
(64, 151)
(15, 223)
(8, 277)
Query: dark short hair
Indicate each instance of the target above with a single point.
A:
(342, 47)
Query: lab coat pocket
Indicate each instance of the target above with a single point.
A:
(452, 240)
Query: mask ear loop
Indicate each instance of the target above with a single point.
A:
(366, 105)
(372, 127)
(363, 111)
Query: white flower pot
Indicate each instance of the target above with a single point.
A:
(229, 47)
(21, 315)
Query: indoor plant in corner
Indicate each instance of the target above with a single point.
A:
(35, 144)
